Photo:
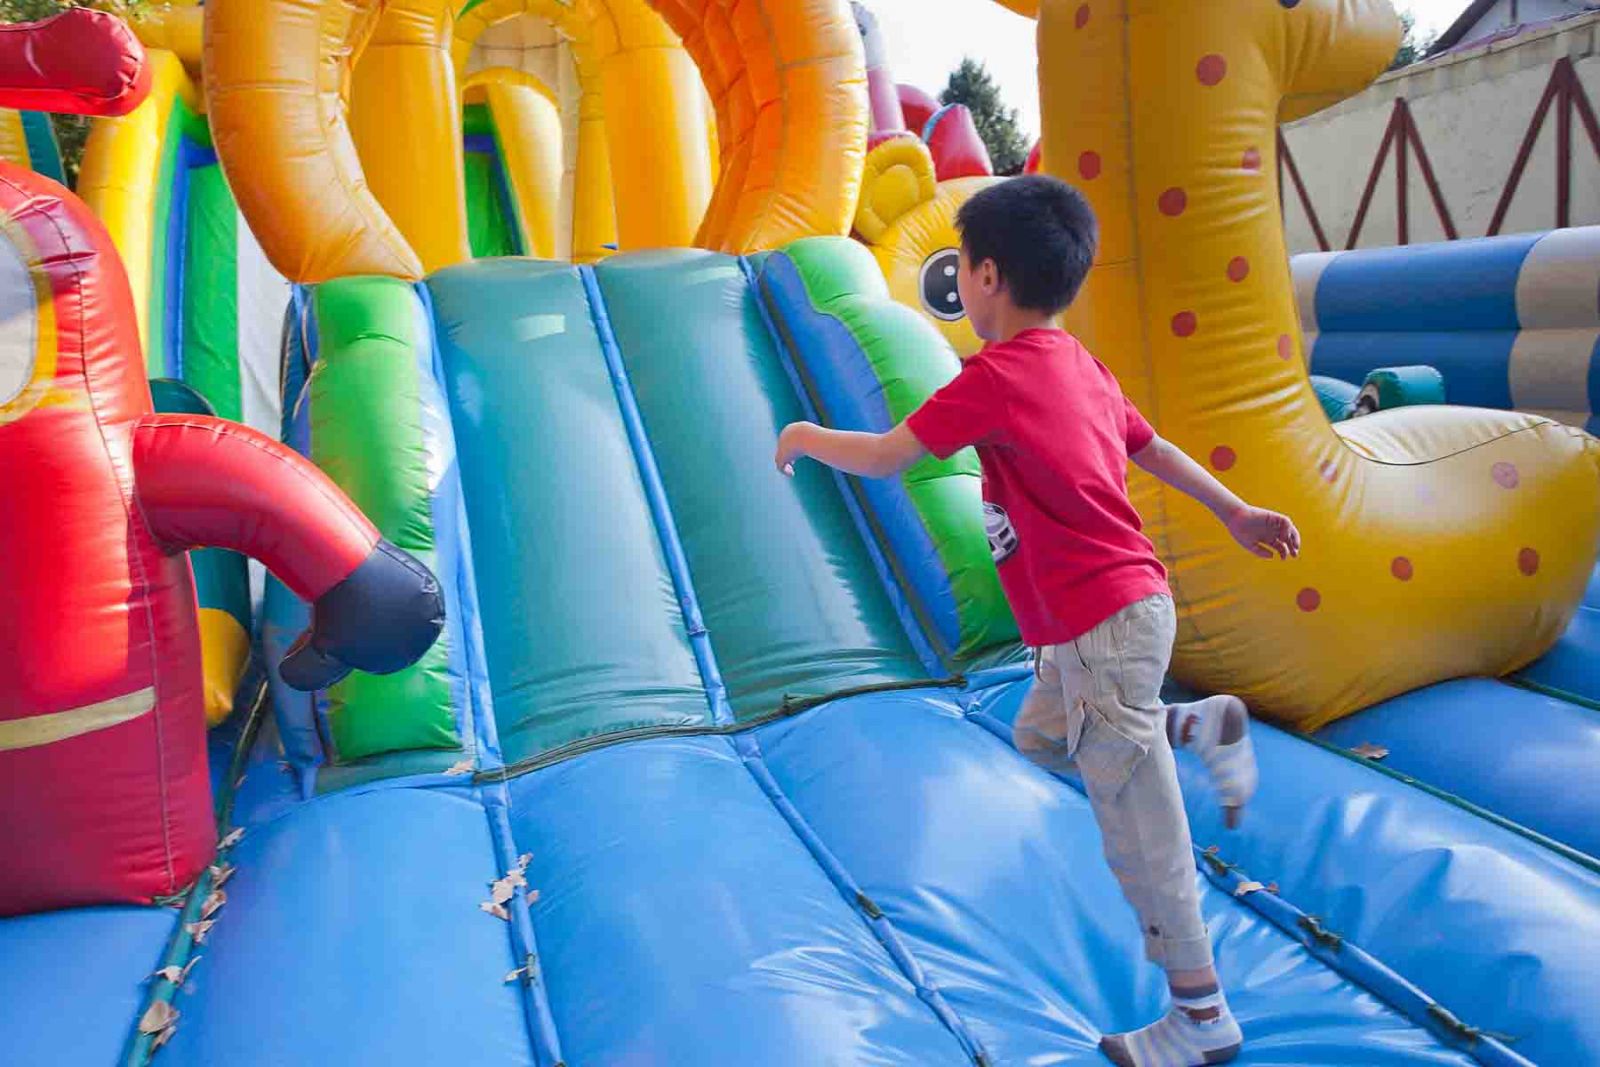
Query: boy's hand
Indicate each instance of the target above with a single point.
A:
(791, 445)
(1265, 532)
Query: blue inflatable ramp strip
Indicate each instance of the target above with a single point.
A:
(1334, 951)
(660, 508)
(1454, 740)
(743, 742)
(872, 540)
(529, 974)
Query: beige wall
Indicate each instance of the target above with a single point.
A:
(1472, 108)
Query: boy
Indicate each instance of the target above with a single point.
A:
(1054, 435)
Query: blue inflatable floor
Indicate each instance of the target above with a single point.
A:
(881, 880)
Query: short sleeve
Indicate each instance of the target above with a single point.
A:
(964, 412)
(1140, 432)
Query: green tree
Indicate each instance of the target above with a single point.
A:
(1412, 48)
(970, 84)
(72, 131)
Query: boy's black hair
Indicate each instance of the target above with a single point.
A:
(1041, 234)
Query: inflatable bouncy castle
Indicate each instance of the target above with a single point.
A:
(578, 734)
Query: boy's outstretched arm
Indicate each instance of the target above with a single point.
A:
(869, 455)
(1257, 529)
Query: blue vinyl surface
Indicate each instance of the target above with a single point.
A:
(73, 982)
(352, 935)
(1497, 928)
(1449, 287)
(1529, 757)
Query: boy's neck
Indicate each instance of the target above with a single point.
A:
(1012, 320)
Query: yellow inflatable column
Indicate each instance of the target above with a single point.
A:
(594, 210)
(406, 123)
(527, 122)
(121, 170)
(655, 127)
(789, 83)
(277, 76)
(1438, 542)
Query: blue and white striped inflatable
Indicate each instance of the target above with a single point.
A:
(1512, 322)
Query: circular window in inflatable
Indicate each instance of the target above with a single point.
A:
(939, 294)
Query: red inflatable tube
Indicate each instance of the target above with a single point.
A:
(1034, 163)
(917, 107)
(82, 62)
(105, 796)
(957, 149)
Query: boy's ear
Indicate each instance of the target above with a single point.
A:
(898, 176)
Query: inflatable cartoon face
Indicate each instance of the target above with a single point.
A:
(907, 218)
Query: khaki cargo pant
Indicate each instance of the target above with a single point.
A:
(1096, 703)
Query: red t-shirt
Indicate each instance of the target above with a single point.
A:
(1053, 432)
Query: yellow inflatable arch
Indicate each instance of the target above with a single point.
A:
(1439, 542)
(293, 125)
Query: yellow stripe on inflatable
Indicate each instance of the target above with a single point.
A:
(224, 654)
(1438, 542)
(121, 170)
(405, 120)
(277, 75)
(56, 726)
(527, 121)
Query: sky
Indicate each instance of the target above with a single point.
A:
(927, 39)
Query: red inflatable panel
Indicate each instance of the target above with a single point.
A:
(917, 107)
(958, 151)
(104, 793)
(81, 61)
(1033, 165)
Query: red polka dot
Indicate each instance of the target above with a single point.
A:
(1238, 269)
(1329, 470)
(1211, 69)
(1184, 323)
(1401, 568)
(1089, 165)
(1528, 561)
(1081, 19)
(1173, 201)
(1252, 159)
(1506, 476)
(1285, 346)
(1308, 599)
(1223, 458)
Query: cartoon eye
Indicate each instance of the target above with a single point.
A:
(18, 325)
(939, 294)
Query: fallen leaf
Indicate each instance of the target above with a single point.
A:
(234, 837)
(239, 781)
(523, 861)
(172, 973)
(199, 930)
(497, 910)
(1213, 850)
(512, 976)
(533, 896)
(1368, 750)
(516, 877)
(461, 767)
(1272, 887)
(214, 902)
(1246, 888)
(187, 967)
(221, 873)
(501, 891)
(160, 1015)
(162, 1038)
